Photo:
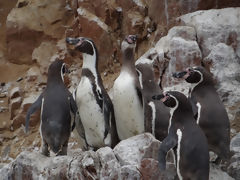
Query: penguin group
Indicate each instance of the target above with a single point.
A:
(190, 126)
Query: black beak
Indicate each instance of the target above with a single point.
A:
(179, 74)
(158, 97)
(133, 37)
(72, 41)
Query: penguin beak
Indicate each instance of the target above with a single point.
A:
(179, 74)
(131, 39)
(72, 41)
(158, 97)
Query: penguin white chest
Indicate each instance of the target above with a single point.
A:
(127, 107)
(90, 113)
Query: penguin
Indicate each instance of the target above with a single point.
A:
(156, 115)
(95, 107)
(209, 111)
(185, 137)
(127, 96)
(56, 104)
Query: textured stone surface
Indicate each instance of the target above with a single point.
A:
(132, 150)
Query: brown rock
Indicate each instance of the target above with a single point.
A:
(15, 92)
(149, 169)
(31, 22)
(14, 106)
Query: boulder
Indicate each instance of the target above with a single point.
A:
(132, 150)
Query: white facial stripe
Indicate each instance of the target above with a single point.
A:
(179, 134)
(199, 111)
(62, 71)
(140, 78)
(89, 62)
(195, 84)
(172, 111)
(152, 105)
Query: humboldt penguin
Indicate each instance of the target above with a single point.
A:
(127, 96)
(185, 137)
(210, 112)
(56, 104)
(156, 115)
(94, 105)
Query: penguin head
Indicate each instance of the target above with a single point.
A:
(57, 70)
(129, 42)
(167, 98)
(82, 44)
(191, 75)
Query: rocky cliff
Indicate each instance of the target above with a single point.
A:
(32, 34)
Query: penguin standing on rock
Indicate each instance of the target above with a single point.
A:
(94, 105)
(56, 104)
(185, 137)
(208, 109)
(156, 115)
(127, 97)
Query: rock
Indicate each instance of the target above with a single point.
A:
(28, 25)
(33, 73)
(180, 49)
(14, 106)
(129, 172)
(149, 168)
(235, 144)
(15, 92)
(109, 163)
(132, 150)
(214, 26)
(216, 173)
(43, 54)
(234, 167)
(217, 35)
(19, 119)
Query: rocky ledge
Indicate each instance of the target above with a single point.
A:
(133, 158)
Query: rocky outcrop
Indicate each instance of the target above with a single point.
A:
(234, 167)
(218, 33)
(137, 162)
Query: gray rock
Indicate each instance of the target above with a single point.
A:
(132, 150)
(235, 144)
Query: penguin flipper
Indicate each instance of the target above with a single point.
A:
(80, 128)
(33, 108)
(74, 109)
(168, 143)
(139, 93)
(107, 118)
(193, 103)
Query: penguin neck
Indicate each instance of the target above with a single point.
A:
(90, 62)
(128, 59)
(54, 80)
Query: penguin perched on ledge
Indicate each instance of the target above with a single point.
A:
(56, 103)
(208, 109)
(94, 105)
(156, 115)
(127, 97)
(185, 137)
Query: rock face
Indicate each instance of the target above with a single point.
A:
(139, 162)
(234, 167)
(218, 36)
